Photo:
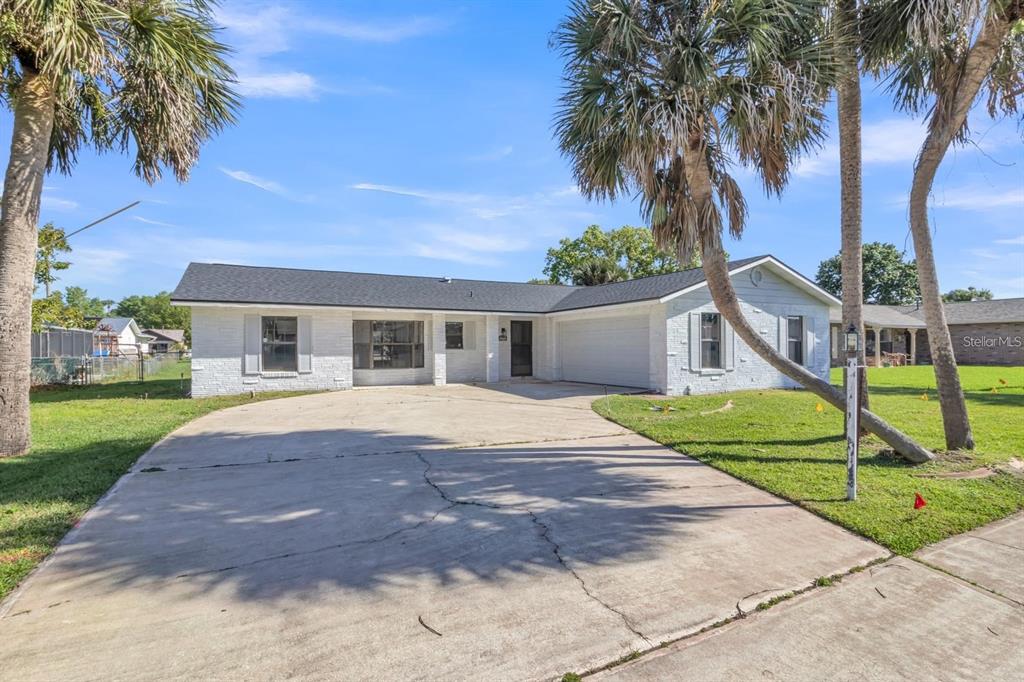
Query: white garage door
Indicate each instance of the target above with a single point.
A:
(606, 350)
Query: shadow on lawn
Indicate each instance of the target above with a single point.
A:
(274, 516)
(1001, 398)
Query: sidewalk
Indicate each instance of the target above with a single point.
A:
(956, 612)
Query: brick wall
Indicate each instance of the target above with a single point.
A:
(762, 305)
(217, 351)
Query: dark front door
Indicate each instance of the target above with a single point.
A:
(522, 348)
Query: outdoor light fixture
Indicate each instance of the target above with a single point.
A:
(852, 340)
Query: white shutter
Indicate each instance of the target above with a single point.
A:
(695, 341)
(469, 335)
(305, 344)
(808, 343)
(253, 345)
(783, 336)
(728, 345)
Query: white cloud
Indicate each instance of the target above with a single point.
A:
(99, 265)
(427, 195)
(495, 155)
(976, 198)
(256, 181)
(1012, 241)
(449, 254)
(56, 204)
(292, 84)
(478, 241)
(150, 221)
(891, 141)
(258, 31)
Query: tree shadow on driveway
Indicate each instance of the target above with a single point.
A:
(290, 528)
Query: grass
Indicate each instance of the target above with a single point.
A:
(84, 439)
(781, 442)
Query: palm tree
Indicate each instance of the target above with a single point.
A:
(661, 94)
(146, 76)
(937, 57)
(845, 31)
(593, 271)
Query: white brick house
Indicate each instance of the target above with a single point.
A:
(282, 329)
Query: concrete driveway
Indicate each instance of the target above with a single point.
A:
(413, 533)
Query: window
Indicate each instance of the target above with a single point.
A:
(387, 344)
(795, 337)
(279, 344)
(453, 339)
(710, 341)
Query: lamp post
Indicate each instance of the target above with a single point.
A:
(852, 411)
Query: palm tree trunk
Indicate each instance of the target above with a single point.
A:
(947, 119)
(19, 216)
(852, 249)
(716, 272)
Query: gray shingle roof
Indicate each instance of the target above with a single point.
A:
(219, 283)
(114, 324)
(978, 312)
(175, 335)
(881, 316)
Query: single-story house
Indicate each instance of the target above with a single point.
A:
(165, 340)
(983, 333)
(119, 336)
(260, 328)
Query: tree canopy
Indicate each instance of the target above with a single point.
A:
(889, 279)
(968, 294)
(155, 312)
(89, 306)
(52, 242)
(625, 253)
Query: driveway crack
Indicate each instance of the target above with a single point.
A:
(545, 534)
(325, 548)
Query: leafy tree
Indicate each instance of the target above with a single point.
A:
(51, 242)
(89, 306)
(661, 97)
(155, 312)
(936, 58)
(968, 294)
(888, 279)
(146, 77)
(631, 250)
(53, 310)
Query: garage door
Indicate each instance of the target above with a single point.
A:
(605, 350)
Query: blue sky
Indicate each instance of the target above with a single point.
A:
(416, 138)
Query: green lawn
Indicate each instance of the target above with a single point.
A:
(84, 439)
(779, 441)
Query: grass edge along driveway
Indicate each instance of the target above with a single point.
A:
(790, 443)
(83, 439)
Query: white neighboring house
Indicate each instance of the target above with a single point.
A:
(261, 329)
(119, 336)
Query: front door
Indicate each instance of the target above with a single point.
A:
(522, 348)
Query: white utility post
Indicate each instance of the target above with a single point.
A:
(853, 409)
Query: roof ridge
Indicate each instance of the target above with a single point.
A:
(383, 274)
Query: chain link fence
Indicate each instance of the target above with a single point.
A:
(98, 370)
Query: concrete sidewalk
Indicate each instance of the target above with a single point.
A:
(896, 621)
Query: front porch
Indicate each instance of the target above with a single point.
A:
(890, 338)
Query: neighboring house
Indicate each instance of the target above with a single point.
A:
(983, 332)
(261, 329)
(889, 334)
(119, 336)
(165, 340)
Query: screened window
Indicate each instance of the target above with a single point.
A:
(453, 336)
(795, 347)
(710, 341)
(279, 344)
(387, 344)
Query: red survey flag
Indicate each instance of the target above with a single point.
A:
(918, 501)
